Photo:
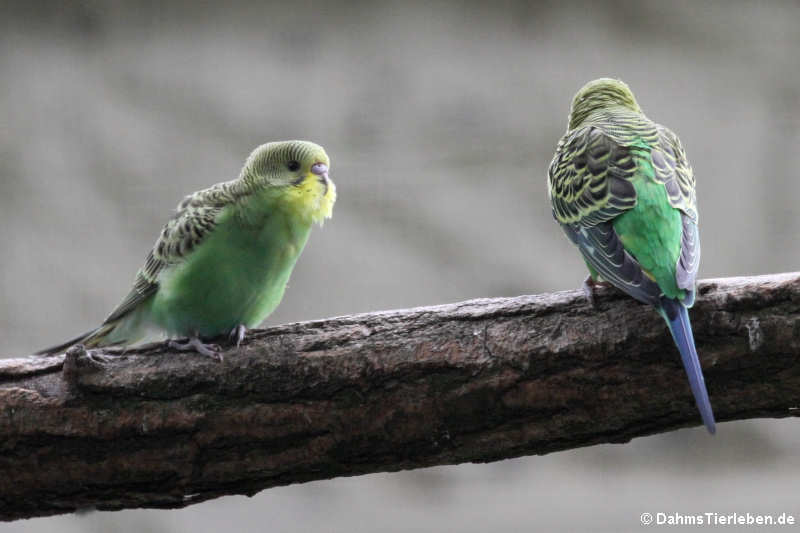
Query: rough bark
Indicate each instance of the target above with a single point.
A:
(474, 381)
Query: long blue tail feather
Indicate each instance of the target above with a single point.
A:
(677, 317)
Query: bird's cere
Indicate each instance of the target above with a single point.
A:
(320, 169)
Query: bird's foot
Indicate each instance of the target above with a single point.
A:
(196, 345)
(78, 360)
(237, 334)
(92, 357)
(98, 359)
(589, 286)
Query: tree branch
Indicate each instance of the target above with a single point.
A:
(474, 381)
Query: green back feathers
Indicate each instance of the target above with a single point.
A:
(607, 139)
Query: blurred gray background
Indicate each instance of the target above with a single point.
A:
(440, 120)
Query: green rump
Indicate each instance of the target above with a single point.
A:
(651, 231)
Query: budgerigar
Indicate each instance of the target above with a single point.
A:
(222, 262)
(623, 191)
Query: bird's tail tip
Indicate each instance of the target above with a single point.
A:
(677, 318)
(92, 338)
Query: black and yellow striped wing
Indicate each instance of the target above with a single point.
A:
(589, 178)
(195, 218)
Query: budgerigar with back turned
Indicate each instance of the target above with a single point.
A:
(221, 263)
(623, 191)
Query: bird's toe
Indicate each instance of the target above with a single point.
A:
(237, 334)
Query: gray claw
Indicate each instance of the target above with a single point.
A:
(195, 344)
(96, 358)
(588, 291)
(237, 334)
(589, 287)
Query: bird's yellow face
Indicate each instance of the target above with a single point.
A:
(298, 172)
(312, 191)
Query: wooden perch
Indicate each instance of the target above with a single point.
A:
(474, 381)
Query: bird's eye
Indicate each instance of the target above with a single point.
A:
(293, 165)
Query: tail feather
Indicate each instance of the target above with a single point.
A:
(677, 318)
(91, 339)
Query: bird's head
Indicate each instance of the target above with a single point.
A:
(600, 94)
(295, 173)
